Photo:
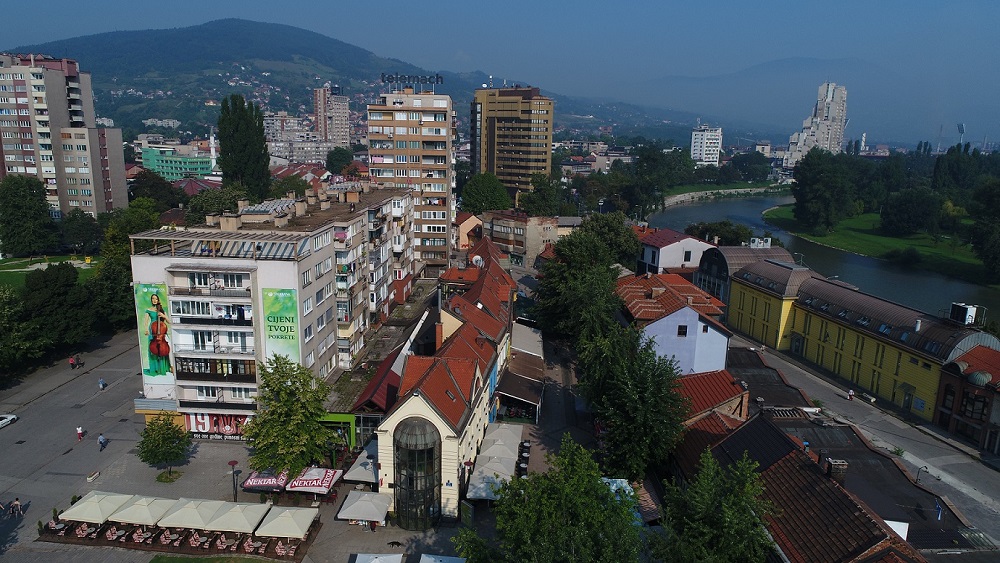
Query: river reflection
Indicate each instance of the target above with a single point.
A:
(926, 291)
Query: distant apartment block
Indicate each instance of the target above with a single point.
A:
(280, 126)
(511, 131)
(168, 123)
(706, 145)
(410, 147)
(174, 164)
(332, 116)
(824, 128)
(520, 236)
(48, 130)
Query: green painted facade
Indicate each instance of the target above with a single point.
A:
(172, 166)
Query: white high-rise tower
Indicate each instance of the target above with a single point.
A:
(824, 128)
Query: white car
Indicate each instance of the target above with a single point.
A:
(7, 419)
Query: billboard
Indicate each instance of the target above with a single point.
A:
(154, 333)
(281, 323)
(212, 426)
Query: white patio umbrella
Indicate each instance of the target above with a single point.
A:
(498, 448)
(95, 507)
(508, 433)
(239, 517)
(365, 468)
(361, 505)
(190, 513)
(286, 522)
(378, 558)
(143, 510)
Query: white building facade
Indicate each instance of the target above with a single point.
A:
(824, 128)
(706, 145)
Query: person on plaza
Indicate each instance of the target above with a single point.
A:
(16, 507)
(79, 433)
(72, 362)
(77, 360)
(850, 394)
(102, 384)
(102, 441)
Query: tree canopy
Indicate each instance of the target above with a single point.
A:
(26, 227)
(81, 232)
(338, 159)
(752, 166)
(294, 184)
(565, 515)
(615, 232)
(151, 185)
(716, 518)
(484, 192)
(215, 201)
(286, 433)
(243, 155)
(61, 310)
(163, 442)
(545, 199)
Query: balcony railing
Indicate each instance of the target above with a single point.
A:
(220, 404)
(211, 350)
(216, 377)
(235, 292)
(215, 321)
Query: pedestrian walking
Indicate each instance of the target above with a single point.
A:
(16, 507)
(79, 433)
(79, 362)
(102, 384)
(72, 362)
(102, 441)
(850, 394)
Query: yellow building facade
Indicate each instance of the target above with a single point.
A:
(886, 350)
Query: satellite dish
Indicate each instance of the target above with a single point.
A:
(478, 261)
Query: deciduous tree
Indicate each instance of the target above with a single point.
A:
(80, 232)
(163, 442)
(544, 200)
(567, 514)
(153, 186)
(25, 224)
(717, 518)
(338, 159)
(614, 230)
(484, 192)
(215, 201)
(287, 433)
(18, 345)
(294, 184)
(243, 153)
(60, 310)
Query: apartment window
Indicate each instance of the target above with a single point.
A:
(208, 392)
(243, 392)
(320, 323)
(307, 306)
(687, 255)
(201, 308)
(306, 278)
(202, 340)
(320, 296)
(308, 332)
(682, 331)
(232, 280)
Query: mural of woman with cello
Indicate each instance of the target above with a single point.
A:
(156, 329)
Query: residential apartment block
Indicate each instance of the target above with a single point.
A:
(174, 163)
(332, 113)
(824, 128)
(511, 132)
(706, 145)
(410, 147)
(48, 130)
(305, 278)
(522, 237)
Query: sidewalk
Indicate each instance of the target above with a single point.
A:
(47, 379)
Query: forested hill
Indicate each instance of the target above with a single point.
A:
(172, 73)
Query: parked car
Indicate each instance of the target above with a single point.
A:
(7, 419)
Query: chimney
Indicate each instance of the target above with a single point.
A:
(230, 222)
(657, 291)
(311, 199)
(300, 207)
(290, 194)
(324, 205)
(281, 220)
(690, 300)
(242, 204)
(916, 328)
(212, 219)
(715, 241)
(836, 469)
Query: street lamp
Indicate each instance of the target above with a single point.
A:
(600, 205)
(801, 261)
(232, 465)
(924, 468)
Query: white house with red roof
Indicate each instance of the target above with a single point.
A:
(665, 250)
(681, 319)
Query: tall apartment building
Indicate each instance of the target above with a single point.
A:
(824, 128)
(332, 116)
(706, 145)
(48, 129)
(305, 278)
(511, 131)
(410, 147)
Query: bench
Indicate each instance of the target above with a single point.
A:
(868, 398)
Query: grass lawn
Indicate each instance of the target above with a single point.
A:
(858, 235)
(14, 270)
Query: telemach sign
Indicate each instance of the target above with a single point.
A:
(412, 79)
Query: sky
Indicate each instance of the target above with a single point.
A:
(913, 68)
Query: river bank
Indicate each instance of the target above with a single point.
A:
(680, 199)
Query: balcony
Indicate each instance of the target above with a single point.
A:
(232, 293)
(216, 377)
(214, 321)
(234, 349)
(220, 404)
(143, 404)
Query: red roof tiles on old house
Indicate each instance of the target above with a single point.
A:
(661, 238)
(709, 390)
(651, 297)
(380, 393)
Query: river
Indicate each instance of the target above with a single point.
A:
(919, 289)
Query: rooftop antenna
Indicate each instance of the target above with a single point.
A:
(211, 144)
(961, 133)
(491, 81)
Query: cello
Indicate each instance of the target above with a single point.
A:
(158, 345)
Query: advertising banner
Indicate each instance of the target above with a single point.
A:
(154, 333)
(211, 426)
(281, 323)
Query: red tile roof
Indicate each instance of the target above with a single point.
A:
(709, 389)
(460, 275)
(663, 237)
(463, 216)
(482, 320)
(194, 186)
(446, 383)
(981, 358)
(380, 393)
(704, 433)
(651, 297)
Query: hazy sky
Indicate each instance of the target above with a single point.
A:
(942, 55)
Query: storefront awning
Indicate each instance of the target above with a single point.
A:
(521, 388)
